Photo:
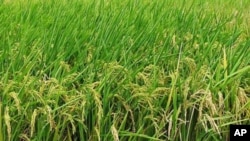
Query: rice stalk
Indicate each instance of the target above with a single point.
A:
(1, 118)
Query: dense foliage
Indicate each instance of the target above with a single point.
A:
(130, 70)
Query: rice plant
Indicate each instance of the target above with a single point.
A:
(132, 70)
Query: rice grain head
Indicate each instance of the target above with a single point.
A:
(210, 105)
(24, 137)
(221, 102)
(97, 130)
(33, 121)
(114, 133)
(17, 101)
(50, 117)
(7, 122)
(242, 96)
(213, 123)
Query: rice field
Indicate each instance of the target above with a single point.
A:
(131, 70)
